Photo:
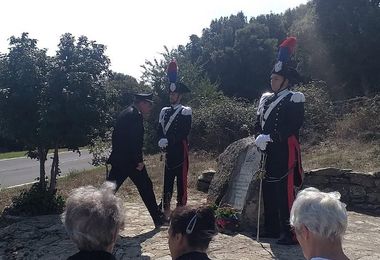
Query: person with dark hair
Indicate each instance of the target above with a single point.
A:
(190, 233)
(127, 158)
(279, 118)
(173, 130)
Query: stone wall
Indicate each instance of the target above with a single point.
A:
(360, 191)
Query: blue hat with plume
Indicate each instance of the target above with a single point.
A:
(174, 85)
(283, 65)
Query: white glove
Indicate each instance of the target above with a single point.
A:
(163, 143)
(262, 141)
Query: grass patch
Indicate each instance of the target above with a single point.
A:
(17, 154)
(12, 155)
(345, 154)
(352, 154)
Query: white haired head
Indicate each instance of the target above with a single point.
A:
(93, 217)
(322, 213)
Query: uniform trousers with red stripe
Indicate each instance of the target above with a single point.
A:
(282, 173)
(179, 173)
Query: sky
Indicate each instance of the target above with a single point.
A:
(133, 31)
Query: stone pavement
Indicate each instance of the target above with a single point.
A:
(44, 237)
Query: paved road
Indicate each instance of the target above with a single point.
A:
(18, 171)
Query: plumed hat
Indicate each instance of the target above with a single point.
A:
(283, 65)
(174, 85)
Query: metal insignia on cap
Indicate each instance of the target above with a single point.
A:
(172, 87)
(278, 66)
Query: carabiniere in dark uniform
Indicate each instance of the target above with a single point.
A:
(280, 116)
(177, 162)
(173, 130)
(126, 155)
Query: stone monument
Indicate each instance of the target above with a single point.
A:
(235, 181)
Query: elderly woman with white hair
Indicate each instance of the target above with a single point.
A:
(93, 219)
(319, 220)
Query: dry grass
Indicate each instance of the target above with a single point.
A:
(128, 191)
(348, 154)
(351, 154)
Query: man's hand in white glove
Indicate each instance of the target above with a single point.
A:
(163, 143)
(262, 140)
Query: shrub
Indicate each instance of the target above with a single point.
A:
(219, 122)
(100, 148)
(36, 201)
(319, 112)
(361, 120)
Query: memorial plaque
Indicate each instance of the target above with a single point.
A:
(243, 175)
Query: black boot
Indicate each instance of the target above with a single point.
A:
(287, 239)
(160, 220)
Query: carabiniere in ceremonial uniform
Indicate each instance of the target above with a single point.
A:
(279, 118)
(173, 130)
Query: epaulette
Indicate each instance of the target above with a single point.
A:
(266, 94)
(186, 111)
(297, 97)
(165, 108)
(162, 113)
(263, 98)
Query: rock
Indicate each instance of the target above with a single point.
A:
(357, 193)
(376, 174)
(314, 180)
(228, 163)
(374, 198)
(235, 183)
(340, 180)
(344, 191)
(204, 180)
(250, 210)
(203, 186)
(362, 179)
(330, 171)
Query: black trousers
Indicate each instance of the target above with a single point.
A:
(276, 208)
(119, 173)
(170, 175)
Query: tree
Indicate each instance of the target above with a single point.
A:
(120, 89)
(76, 109)
(23, 74)
(53, 102)
(350, 29)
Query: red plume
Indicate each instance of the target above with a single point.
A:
(290, 43)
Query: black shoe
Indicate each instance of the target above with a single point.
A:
(266, 234)
(287, 240)
(160, 221)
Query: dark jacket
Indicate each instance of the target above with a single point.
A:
(283, 124)
(193, 256)
(92, 255)
(127, 138)
(284, 120)
(176, 134)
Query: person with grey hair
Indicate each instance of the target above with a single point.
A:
(319, 220)
(93, 218)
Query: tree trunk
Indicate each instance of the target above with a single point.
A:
(42, 153)
(54, 170)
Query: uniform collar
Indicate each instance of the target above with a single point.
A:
(282, 92)
(176, 106)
